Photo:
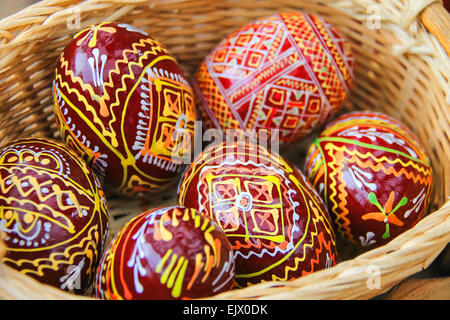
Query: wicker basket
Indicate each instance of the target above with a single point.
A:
(401, 51)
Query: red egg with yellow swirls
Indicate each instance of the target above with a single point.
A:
(122, 102)
(373, 175)
(52, 212)
(289, 72)
(277, 225)
(166, 253)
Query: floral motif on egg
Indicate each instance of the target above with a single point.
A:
(122, 102)
(373, 175)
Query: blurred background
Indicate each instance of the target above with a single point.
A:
(8, 7)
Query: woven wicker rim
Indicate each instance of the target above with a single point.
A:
(404, 70)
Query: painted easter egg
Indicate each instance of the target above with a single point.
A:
(122, 102)
(52, 212)
(166, 253)
(288, 72)
(277, 225)
(373, 175)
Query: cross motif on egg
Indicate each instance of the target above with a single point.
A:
(235, 197)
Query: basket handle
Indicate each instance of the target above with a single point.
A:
(436, 19)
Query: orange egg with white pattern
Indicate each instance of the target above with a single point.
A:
(164, 254)
(288, 72)
(278, 226)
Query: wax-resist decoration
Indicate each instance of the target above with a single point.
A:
(52, 212)
(122, 102)
(289, 72)
(166, 253)
(276, 222)
(373, 175)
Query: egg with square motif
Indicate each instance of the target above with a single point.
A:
(373, 175)
(122, 102)
(53, 213)
(288, 72)
(166, 253)
(275, 221)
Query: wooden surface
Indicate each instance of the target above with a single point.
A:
(421, 289)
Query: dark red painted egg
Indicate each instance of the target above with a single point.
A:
(52, 212)
(289, 72)
(122, 102)
(373, 176)
(166, 253)
(277, 225)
